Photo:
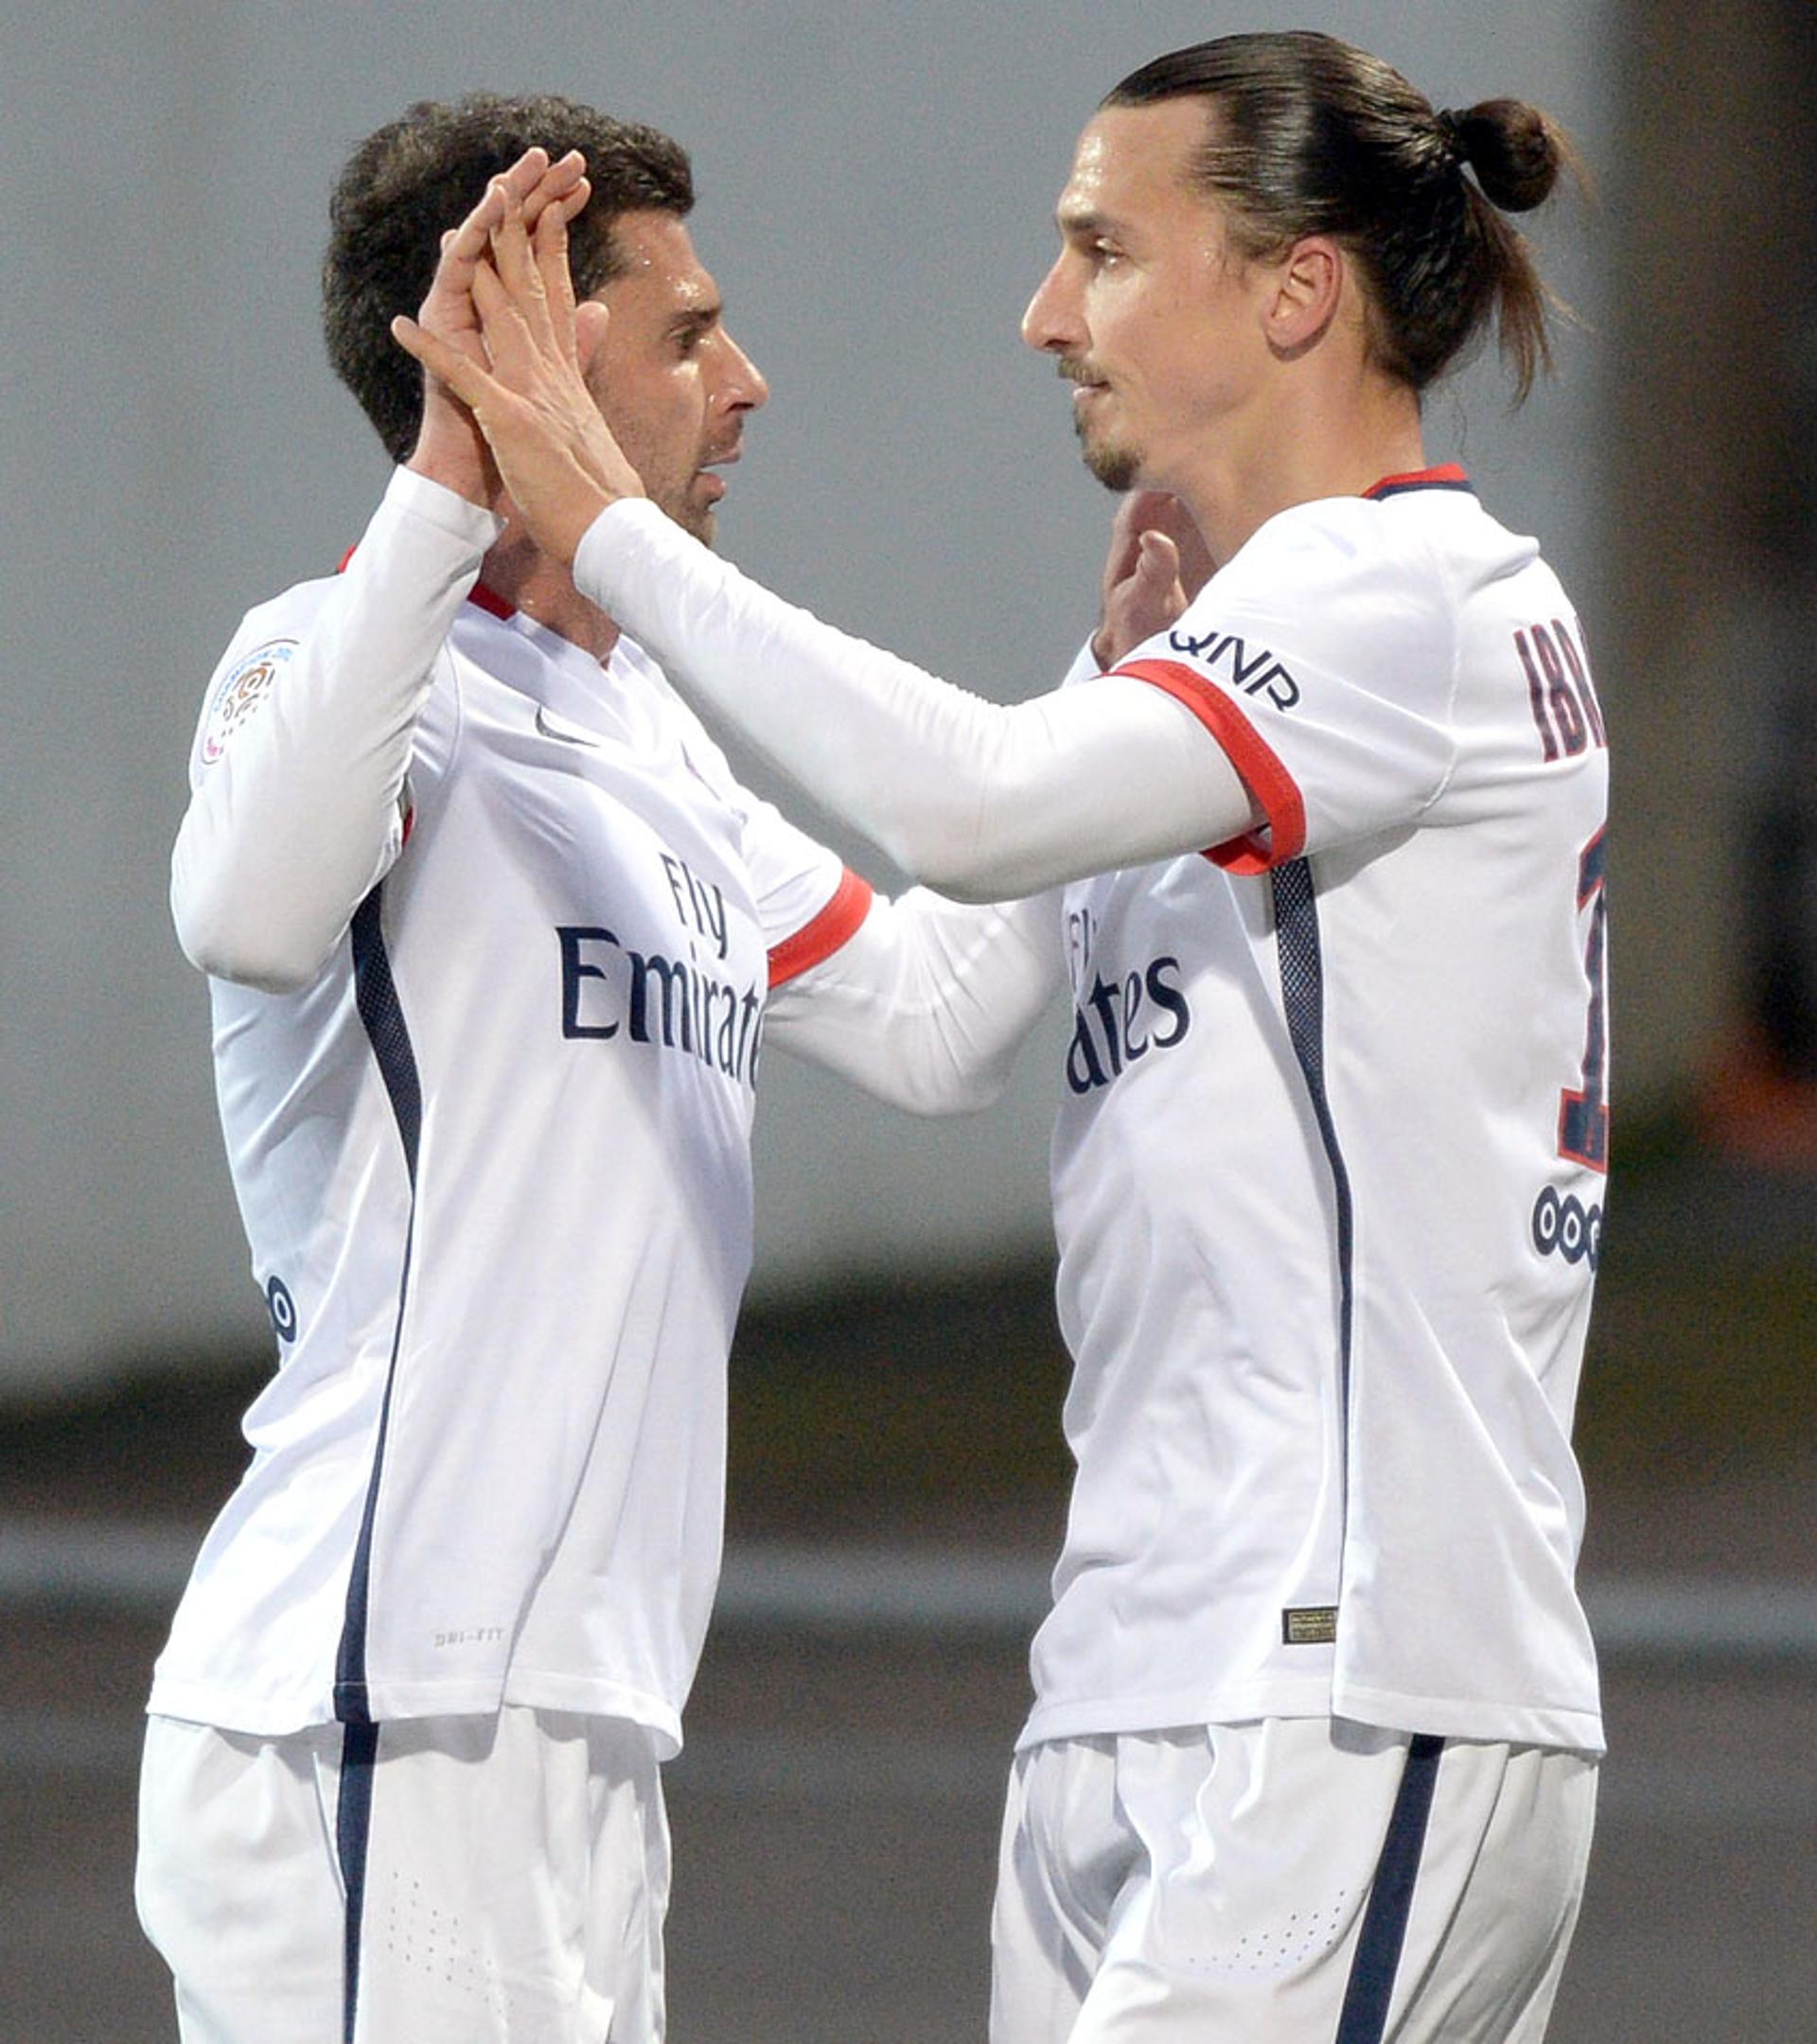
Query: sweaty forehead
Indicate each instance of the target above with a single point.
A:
(1132, 161)
(657, 260)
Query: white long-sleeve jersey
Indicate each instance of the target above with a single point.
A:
(1328, 1174)
(495, 939)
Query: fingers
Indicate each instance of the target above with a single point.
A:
(562, 186)
(515, 344)
(1157, 560)
(533, 187)
(514, 259)
(531, 262)
(551, 251)
(462, 375)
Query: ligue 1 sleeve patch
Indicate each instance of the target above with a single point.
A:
(242, 688)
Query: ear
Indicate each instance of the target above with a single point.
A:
(1308, 287)
(591, 321)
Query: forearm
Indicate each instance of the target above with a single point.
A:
(981, 800)
(926, 1005)
(289, 829)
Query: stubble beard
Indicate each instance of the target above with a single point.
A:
(1115, 467)
(699, 520)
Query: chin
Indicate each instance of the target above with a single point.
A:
(1118, 468)
(701, 521)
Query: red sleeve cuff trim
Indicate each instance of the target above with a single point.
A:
(816, 941)
(1261, 772)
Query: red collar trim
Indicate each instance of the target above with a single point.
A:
(1448, 476)
(479, 593)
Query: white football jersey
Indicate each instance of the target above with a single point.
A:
(1327, 1176)
(494, 1170)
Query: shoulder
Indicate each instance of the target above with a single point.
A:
(1334, 585)
(262, 646)
(1342, 548)
(287, 616)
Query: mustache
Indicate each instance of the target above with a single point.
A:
(1075, 369)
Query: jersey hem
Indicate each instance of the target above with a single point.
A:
(257, 1717)
(1575, 1730)
(388, 1703)
(1302, 1695)
(589, 1696)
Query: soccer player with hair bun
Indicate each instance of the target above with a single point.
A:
(1314, 833)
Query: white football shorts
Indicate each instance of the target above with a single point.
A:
(1287, 1882)
(451, 1881)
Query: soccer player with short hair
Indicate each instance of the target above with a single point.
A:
(494, 937)
(1314, 1749)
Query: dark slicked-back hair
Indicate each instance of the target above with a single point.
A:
(1305, 134)
(417, 176)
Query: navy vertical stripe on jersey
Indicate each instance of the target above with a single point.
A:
(1303, 993)
(376, 995)
(352, 1839)
(1364, 2015)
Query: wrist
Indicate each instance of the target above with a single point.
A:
(455, 455)
(465, 478)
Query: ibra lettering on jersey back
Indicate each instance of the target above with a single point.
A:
(1117, 1022)
(606, 987)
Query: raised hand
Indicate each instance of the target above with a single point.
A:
(1157, 564)
(450, 446)
(524, 386)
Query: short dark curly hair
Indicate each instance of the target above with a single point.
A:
(419, 175)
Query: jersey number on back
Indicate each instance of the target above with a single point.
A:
(1583, 1115)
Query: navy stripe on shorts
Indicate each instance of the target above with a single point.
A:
(1364, 2017)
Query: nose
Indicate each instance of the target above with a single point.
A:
(1049, 323)
(743, 388)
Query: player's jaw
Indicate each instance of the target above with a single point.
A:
(697, 508)
(1115, 464)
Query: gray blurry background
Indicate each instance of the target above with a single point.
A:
(875, 198)
(876, 187)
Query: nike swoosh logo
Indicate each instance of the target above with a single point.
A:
(567, 733)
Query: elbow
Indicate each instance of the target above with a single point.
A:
(231, 940)
(976, 885)
(968, 1097)
(967, 842)
(937, 1085)
(943, 862)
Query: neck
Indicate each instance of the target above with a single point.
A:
(1325, 441)
(525, 577)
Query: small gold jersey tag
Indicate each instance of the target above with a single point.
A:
(1315, 1627)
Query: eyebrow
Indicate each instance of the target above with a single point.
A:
(1080, 222)
(695, 320)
